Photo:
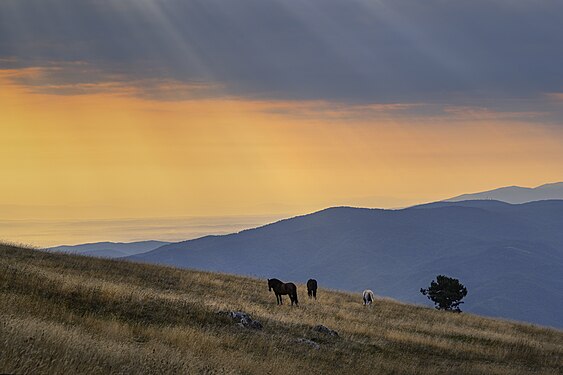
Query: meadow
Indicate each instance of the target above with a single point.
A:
(71, 314)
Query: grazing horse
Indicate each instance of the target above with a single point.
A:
(280, 288)
(368, 297)
(312, 288)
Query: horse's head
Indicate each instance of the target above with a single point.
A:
(269, 285)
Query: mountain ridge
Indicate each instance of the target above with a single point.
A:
(516, 194)
(107, 249)
(396, 252)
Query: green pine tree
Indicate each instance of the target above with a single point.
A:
(446, 293)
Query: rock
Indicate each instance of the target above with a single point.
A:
(311, 343)
(327, 331)
(242, 319)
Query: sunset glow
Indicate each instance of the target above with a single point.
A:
(233, 156)
(109, 148)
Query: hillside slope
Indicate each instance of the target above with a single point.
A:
(516, 194)
(70, 314)
(510, 257)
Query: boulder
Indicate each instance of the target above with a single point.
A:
(311, 343)
(242, 319)
(325, 330)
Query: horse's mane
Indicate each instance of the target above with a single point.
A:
(275, 281)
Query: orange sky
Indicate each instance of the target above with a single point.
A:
(113, 154)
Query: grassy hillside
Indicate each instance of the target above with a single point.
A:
(71, 314)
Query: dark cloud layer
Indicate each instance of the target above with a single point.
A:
(347, 50)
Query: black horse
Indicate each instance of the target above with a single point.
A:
(312, 288)
(281, 288)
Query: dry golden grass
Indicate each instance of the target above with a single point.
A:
(70, 314)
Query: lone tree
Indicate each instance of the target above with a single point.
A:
(446, 293)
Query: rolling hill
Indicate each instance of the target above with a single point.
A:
(510, 257)
(64, 313)
(109, 249)
(516, 194)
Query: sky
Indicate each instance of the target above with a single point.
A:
(122, 118)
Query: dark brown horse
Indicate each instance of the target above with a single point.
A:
(280, 288)
(312, 288)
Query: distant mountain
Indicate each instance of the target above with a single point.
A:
(517, 194)
(110, 249)
(510, 257)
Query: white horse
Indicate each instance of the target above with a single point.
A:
(368, 297)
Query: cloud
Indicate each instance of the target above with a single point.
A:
(355, 51)
(556, 96)
(81, 78)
